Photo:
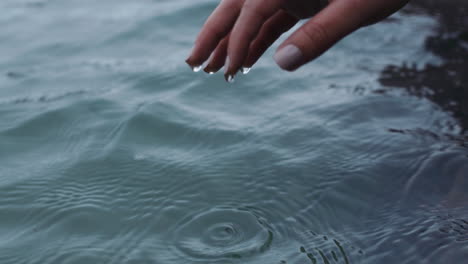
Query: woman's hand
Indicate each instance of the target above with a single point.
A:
(242, 30)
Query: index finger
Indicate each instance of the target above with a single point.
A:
(216, 27)
(253, 15)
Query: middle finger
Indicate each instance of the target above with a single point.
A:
(253, 15)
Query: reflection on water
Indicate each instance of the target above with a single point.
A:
(444, 84)
(113, 151)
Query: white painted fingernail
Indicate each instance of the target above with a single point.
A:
(245, 70)
(196, 68)
(230, 78)
(289, 57)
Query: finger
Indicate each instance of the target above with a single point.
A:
(253, 15)
(269, 33)
(321, 32)
(216, 27)
(218, 57)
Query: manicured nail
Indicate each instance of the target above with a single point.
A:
(196, 68)
(245, 70)
(229, 78)
(209, 71)
(289, 57)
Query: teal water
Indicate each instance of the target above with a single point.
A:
(113, 151)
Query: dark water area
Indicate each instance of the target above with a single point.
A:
(446, 83)
(113, 151)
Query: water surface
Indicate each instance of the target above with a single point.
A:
(113, 151)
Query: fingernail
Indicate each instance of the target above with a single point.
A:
(245, 70)
(197, 68)
(229, 78)
(209, 70)
(289, 57)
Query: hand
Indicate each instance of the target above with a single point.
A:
(242, 30)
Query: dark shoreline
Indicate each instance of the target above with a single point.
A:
(445, 84)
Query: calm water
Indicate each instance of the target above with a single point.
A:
(113, 151)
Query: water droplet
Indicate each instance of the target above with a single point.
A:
(245, 70)
(230, 78)
(196, 68)
(210, 73)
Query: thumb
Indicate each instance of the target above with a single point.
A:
(321, 32)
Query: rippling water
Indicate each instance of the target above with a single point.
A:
(112, 151)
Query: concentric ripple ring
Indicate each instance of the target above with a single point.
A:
(221, 233)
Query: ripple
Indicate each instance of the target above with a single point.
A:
(443, 176)
(422, 235)
(320, 248)
(221, 233)
(113, 153)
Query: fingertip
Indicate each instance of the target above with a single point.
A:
(289, 57)
(229, 68)
(189, 62)
(229, 78)
(230, 71)
(193, 64)
(210, 70)
(194, 68)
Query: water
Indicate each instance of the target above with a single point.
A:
(113, 151)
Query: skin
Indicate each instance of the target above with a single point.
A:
(243, 30)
